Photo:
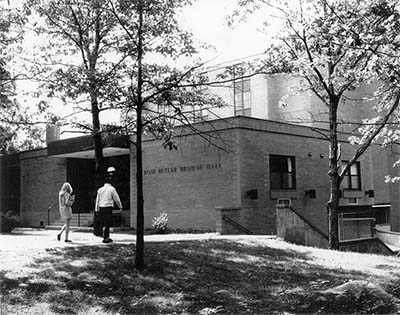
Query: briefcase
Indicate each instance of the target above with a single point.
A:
(97, 225)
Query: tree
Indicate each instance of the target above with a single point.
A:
(7, 86)
(335, 47)
(8, 110)
(157, 96)
(14, 121)
(113, 50)
(79, 64)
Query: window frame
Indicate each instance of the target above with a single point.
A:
(199, 114)
(242, 104)
(348, 177)
(284, 202)
(291, 173)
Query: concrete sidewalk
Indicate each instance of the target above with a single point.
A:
(31, 238)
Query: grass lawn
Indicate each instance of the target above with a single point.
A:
(238, 275)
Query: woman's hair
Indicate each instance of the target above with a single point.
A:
(66, 187)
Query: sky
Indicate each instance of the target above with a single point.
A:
(207, 19)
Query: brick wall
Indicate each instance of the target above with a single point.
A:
(1, 186)
(180, 182)
(393, 156)
(381, 167)
(41, 180)
(227, 221)
(311, 158)
(310, 170)
(187, 183)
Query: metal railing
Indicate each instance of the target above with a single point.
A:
(48, 212)
(237, 225)
(355, 228)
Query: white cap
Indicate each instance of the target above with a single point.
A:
(111, 169)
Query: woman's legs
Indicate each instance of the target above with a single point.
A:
(67, 225)
(62, 230)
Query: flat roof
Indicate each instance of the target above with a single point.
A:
(83, 147)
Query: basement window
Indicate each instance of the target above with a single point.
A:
(284, 202)
(353, 201)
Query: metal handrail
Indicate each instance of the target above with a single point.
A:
(237, 225)
(365, 219)
(314, 227)
(48, 212)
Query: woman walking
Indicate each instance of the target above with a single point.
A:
(65, 200)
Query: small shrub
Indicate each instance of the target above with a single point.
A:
(160, 223)
(9, 220)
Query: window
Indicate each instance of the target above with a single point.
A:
(352, 179)
(284, 202)
(162, 109)
(282, 172)
(353, 201)
(242, 100)
(199, 114)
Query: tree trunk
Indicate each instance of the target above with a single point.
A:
(333, 203)
(98, 143)
(139, 259)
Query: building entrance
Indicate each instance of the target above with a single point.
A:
(81, 176)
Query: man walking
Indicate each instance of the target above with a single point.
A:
(106, 196)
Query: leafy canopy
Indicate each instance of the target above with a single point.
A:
(338, 49)
(18, 130)
(93, 51)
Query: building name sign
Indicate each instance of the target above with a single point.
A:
(183, 169)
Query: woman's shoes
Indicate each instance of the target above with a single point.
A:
(59, 238)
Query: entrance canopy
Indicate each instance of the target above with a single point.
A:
(83, 147)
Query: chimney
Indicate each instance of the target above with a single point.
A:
(52, 132)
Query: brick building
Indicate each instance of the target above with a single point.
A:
(249, 161)
(239, 163)
(256, 165)
(262, 96)
(31, 180)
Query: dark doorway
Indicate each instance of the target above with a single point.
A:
(121, 180)
(80, 174)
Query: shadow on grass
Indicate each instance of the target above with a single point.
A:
(180, 277)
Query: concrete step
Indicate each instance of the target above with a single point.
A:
(83, 219)
(75, 220)
(73, 227)
(82, 228)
